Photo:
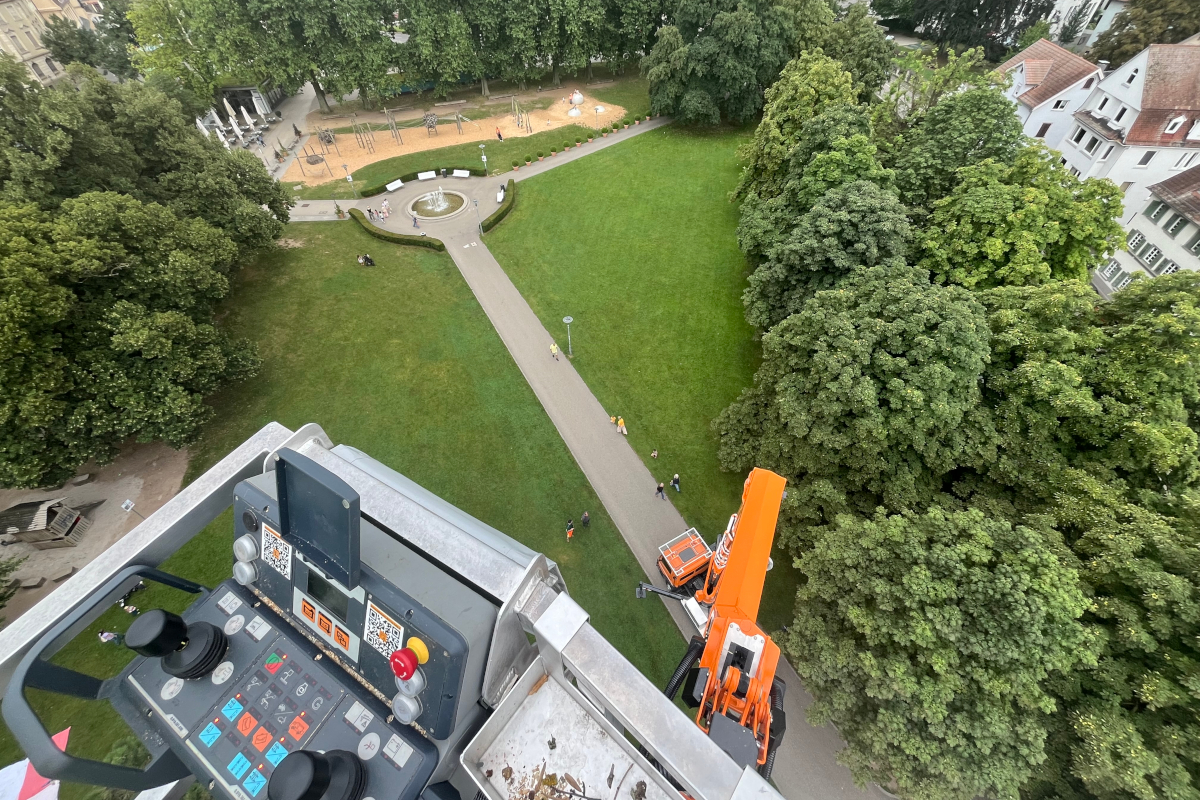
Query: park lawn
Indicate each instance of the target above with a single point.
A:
(401, 362)
(637, 243)
(500, 157)
(632, 94)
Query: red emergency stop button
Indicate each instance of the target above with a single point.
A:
(404, 663)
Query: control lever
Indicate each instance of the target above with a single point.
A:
(305, 775)
(187, 651)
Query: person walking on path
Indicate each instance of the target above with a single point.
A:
(661, 491)
(570, 529)
(585, 520)
(499, 135)
(554, 350)
(415, 225)
(621, 426)
(675, 482)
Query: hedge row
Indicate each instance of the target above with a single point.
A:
(396, 238)
(368, 191)
(510, 197)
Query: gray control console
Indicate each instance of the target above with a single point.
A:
(273, 694)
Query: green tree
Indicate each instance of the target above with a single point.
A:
(806, 87)
(1143, 23)
(717, 59)
(862, 47)
(70, 44)
(88, 134)
(1028, 223)
(108, 332)
(1035, 32)
(921, 81)
(866, 397)
(929, 640)
(973, 23)
(961, 130)
(853, 225)
(1073, 24)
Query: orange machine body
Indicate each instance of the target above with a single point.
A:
(740, 658)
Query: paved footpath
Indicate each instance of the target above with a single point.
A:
(805, 768)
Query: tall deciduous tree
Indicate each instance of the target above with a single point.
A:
(862, 47)
(994, 24)
(717, 59)
(961, 130)
(1143, 23)
(866, 397)
(921, 81)
(806, 87)
(108, 331)
(928, 639)
(1028, 223)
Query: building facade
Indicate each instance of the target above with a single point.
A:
(1162, 234)
(21, 29)
(1098, 13)
(1048, 84)
(83, 13)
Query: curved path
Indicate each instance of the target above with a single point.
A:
(805, 768)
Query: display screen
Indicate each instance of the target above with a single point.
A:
(319, 513)
(328, 595)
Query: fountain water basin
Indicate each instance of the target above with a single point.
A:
(437, 204)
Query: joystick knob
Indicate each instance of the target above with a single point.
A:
(187, 651)
(305, 775)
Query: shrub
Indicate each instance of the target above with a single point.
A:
(396, 238)
(578, 140)
(516, 163)
(528, 159)
(627, 122)
(566, 146)
(541, 154)
(510, 197)
(604, 129)
(553, 150)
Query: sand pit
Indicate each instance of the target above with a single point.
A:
(417, 139)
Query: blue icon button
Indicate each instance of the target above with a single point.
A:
(276, 754)
(210, 734)
(238, 766)
(254, 783)
(231, 709)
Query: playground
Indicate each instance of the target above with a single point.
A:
(364, 139)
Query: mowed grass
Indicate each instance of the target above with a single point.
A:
(631, 93)
(637, 243)
(400, 361)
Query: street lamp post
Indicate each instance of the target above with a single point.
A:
(599, 111)
(569, 320)
(350, 180)
(478, 220)
(483, 155)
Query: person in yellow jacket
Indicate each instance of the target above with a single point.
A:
(621, 426)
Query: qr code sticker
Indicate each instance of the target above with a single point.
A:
(277, 552)
(383, 633)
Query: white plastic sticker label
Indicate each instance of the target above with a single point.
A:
(382, 632)
(229, 603)
(258, 628)
(276, 552)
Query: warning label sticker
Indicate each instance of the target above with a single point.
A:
(276, 552)
(382, 632)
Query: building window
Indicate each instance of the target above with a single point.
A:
(1090, 147)
(1185, 160)
(1152, 255)
(1074, 172)
(32, 40)
(1175, 224)
(1107, 152)
(1089, 83)
(1043, 130)
(1128, 279)
(1154, 208)
(1059, 105)
(17, 43)
(1169, 268)
(1103, 103)
(1132, 76)
(1120, 113)
(1125, 186)
(1134, 241)
(1175, 124)
(36, 70)
(53, 67)
(1158, 211)
(1110, 269)
(1078, 135)
(1146, 158)
(1194, 245)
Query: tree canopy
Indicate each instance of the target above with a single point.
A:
(106, 47)
(862, 48)
(992, 24)
(1143, 23)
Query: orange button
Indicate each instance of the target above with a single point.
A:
(325, 624)
(307, 609)
(261, 739)
(246, 724)
(342, 638)
(297, 728)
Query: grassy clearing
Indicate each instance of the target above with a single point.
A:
(632, 94)
(500, 157)
(400, 361)
(637, 243)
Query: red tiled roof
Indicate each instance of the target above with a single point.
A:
(1182, 193)
(1150, 128)
(1173, 77)
(1065, 68)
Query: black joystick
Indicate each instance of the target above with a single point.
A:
(305, 775)
(187, 651)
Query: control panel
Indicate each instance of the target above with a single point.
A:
(413, 633)
(268, 707)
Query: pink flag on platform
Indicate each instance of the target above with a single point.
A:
(35, 783)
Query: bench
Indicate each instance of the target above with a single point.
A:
(427, 176)
(394, 185)
(462, 173)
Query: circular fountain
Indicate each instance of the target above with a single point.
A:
(437, 204)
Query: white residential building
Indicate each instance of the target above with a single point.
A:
(1163, 234)
(21, 37)
(1049, 83)
(1098, 13)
